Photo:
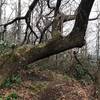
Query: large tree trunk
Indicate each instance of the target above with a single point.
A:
(27, 54)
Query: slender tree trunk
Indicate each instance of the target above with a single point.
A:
(97, 75)
(19, 22)
(0, 19)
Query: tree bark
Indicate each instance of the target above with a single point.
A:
(19, 22)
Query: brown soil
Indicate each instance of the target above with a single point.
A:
(48, 85)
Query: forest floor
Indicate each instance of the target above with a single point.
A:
(37, 84)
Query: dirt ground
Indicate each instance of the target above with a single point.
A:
(39, 84)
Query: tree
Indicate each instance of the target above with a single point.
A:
(28, 54)
(19, 22)
(1, 5)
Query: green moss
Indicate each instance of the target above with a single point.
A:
(42, 45)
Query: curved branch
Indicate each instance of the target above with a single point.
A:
(48, 4)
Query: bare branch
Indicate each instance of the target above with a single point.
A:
(14, 20)
(57, 7)
(48, 4)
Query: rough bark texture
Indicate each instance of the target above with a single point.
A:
(28, 54)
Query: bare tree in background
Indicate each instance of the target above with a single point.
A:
(19, 22)
(1, 4)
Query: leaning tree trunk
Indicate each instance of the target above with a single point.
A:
(28, 54)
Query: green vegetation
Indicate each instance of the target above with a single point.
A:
(4, 47)
(12, 96)
(11, 81)
(1, 98)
